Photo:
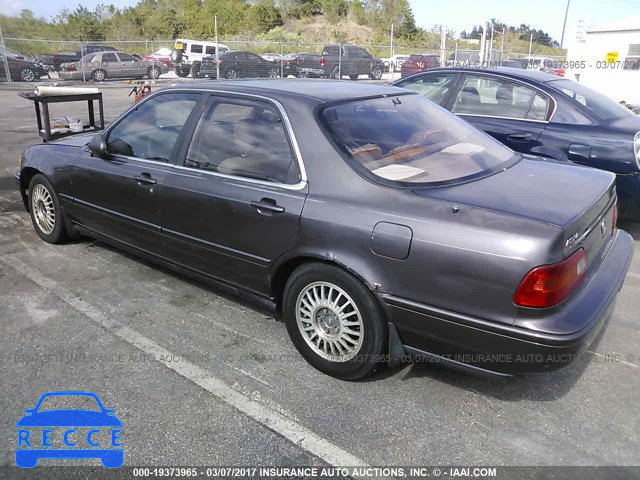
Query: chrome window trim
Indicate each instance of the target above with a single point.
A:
(504, 118)
(227, 93)
(290, 133)
(521, 82)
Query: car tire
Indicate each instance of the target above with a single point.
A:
(273, 72)
(154, 72)
(354, 77)
(335, 73)
(348, 347)
(231, 74)
(27, 75)
(99, 75)
(376, 73)
(183, 72)
(44, 207)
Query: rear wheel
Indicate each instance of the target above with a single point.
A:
(44, 207)
(182, 71)
(376, 73)
(273, 72)
(334, 321)
(354, 77)
(154, 72)
(231, 74)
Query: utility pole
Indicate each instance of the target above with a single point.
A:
(530, 43)
(491, 44)
(564, 25)
(215, 26)
(391, 47)
(4, 57)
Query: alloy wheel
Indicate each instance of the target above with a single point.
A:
(329, 321)
(43, 209)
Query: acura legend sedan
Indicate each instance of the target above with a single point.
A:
(381, 226)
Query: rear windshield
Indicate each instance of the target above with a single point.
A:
(407, 140)
(416, 58)
(602, 106)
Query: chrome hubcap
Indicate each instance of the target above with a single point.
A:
(43, 209)
(329, 321)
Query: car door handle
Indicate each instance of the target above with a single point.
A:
(267, 204)
(145, 178)
(519, 137)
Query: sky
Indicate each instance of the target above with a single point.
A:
(457, 15)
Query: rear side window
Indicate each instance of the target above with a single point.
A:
(497, 97)
(435, 87)
(407, 141)
(244, 138)
(196, 48)
(209, 50)
(602, 106)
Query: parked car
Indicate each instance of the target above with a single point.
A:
(22, 68)
(419, 63)
(394, 63)
(193, 51)
(378, 223)
(271, 57)
(57, 59)
(236, 64)
(514, 63)
(107, 65)
(338, 61)
(163, 56)
(545, 64)
(468, 58)
(543, 115)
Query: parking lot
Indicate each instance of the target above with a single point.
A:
(198, 377)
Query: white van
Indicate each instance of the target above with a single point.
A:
(196, 50)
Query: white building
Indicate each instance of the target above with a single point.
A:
(611, 54)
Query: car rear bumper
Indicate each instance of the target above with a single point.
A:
(492, 348)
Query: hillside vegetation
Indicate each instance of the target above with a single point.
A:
(366, 22)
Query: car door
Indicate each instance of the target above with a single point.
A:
(111, 64)
(511, 112)
(234, 205)
(118, 196)
(130, 66)
(435, 86)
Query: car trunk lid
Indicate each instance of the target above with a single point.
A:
(580, 200)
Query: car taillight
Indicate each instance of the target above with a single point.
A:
(71, 68)
(614, 218)
(422, 65)
(548, 285)
(323, 61)
(559, 72)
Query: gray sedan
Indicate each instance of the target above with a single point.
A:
(104, 65)
(380, 226)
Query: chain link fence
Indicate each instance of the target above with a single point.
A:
(33, 60)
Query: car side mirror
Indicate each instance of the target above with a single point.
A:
(97, 146)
